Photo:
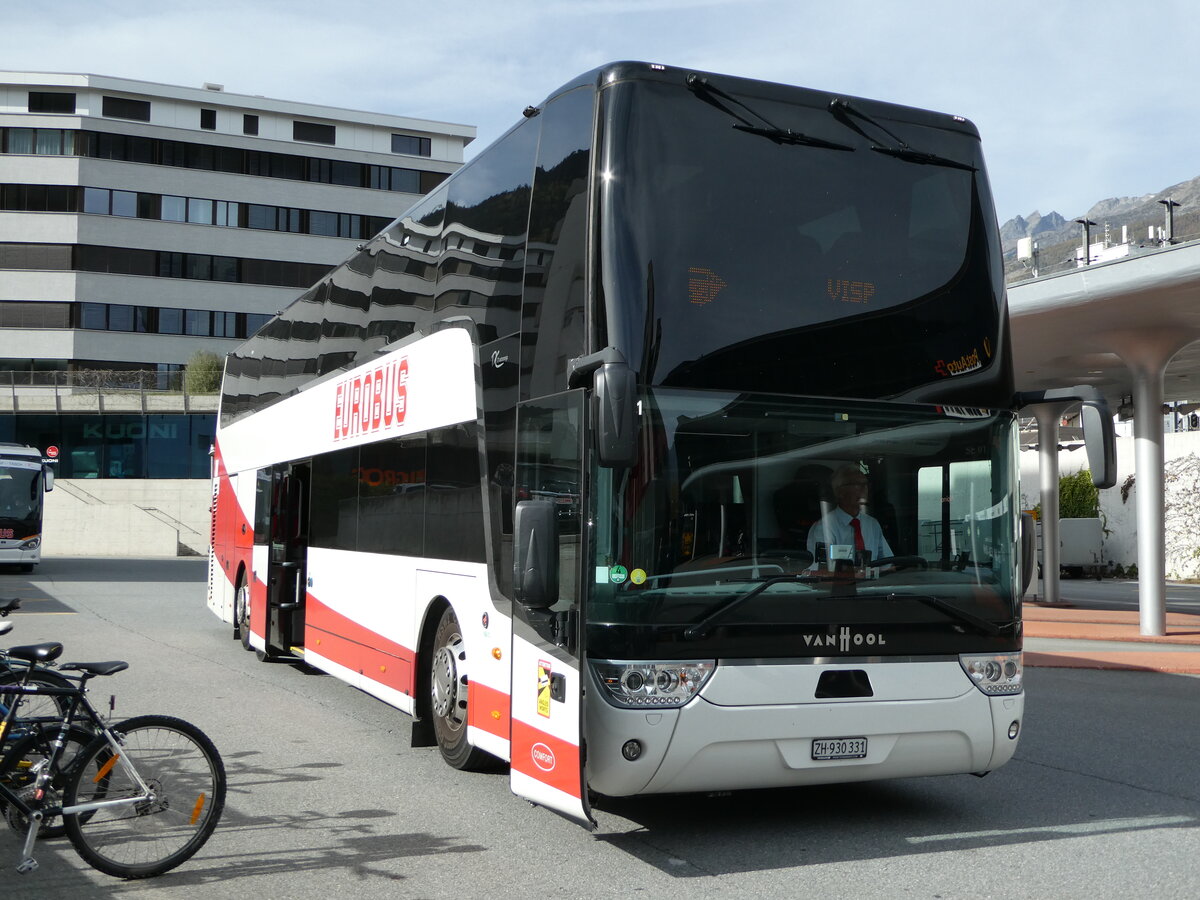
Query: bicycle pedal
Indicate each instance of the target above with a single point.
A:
(27, 866)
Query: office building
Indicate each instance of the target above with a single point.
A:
(142, 222)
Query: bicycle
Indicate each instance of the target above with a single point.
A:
(137, 800)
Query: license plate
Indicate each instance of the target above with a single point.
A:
(839, 748)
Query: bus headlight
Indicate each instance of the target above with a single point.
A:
(652, 685)
(32, 544)
(998, 673)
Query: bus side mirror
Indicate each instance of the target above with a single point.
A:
(615, 396)
(535, 554)
(48, 478)
(1099, 436)
(1100, 441)
(614, 401)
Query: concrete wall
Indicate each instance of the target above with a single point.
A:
(1118, 504)
(127, 517)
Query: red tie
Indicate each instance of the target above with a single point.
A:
(857, 526)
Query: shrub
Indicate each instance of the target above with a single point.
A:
(203, 373)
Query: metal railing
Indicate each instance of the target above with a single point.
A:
(100, 390)
(1066, 256)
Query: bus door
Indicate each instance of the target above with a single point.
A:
(547, 643)
(287, 581)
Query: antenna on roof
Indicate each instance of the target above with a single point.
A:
(1170, 204)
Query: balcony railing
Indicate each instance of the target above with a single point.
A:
(144, 391)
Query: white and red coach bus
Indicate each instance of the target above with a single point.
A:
(550, 463)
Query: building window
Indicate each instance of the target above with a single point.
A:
(124, 203)
(124, 108)
(313, 132)
(208, 119)
(249, 124)
(34, 314)
(170, 321)
(51, 102)
(413, 146)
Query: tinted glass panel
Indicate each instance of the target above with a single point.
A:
(313, 132)
(120, 317)
(93, 315)
(454, 504)
(334, 505)
(392, 496)
(766, 289)
(123, 108)
(51, 102)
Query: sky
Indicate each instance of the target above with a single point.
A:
(1076, 102)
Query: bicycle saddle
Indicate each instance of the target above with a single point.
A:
(96, 668)
(32, 653)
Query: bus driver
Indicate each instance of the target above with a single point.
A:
(848, 523)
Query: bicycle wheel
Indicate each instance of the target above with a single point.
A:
(147, 836)
(37, 706)
(22, 763)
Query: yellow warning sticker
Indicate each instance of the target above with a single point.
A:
(543, 688)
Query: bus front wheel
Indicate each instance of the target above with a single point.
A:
(448, 695)
(241, 614)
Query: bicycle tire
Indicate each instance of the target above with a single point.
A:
(180, 764)
(19, 765)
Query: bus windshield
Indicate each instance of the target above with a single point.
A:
(732, 531)
(734, 258)
(20, 498)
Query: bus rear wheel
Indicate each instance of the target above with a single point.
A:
(448, 696)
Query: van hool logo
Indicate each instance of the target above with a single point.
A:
(371, 401)
(844, 639)
(543, 756)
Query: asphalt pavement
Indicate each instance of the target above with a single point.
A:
(328, 799)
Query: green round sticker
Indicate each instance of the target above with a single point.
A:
(618, 574)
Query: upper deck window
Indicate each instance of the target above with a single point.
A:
(777, 265)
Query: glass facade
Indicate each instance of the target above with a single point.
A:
(119, 446)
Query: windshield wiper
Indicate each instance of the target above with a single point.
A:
(953, 612)
(698, 630)
(842, 111)
(709, 94)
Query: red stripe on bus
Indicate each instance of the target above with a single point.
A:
(546, 758)
(488, 709)
(232, 532)
(345, 642)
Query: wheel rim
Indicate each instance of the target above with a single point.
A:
(243, 608)
(444, 683)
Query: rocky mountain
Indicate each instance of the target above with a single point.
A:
(1058, 236)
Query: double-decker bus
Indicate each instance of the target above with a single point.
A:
(24, 479)
(551, 463)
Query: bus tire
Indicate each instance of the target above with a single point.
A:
(241, 613)
(448, 696)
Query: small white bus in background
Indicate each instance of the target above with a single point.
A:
(24, 479)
